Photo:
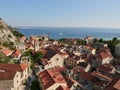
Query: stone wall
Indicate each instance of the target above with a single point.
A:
(6, 84)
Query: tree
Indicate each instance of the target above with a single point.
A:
(95, 40)
(112, 44)
(28, 53)
(114, 39)
(10, 45)
(37, 56)
(81, 42)
(17, 34)
(101, 40)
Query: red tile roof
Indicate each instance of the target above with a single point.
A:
(6, 51)
(51, 76)
(16, 53)
(77, 70)
(87, 76)
(105, 67)
(89, 48)
(70, 82)
(23, 66)
(83, 74)
(7, 75)
(8, 71)
(46, 79)
(104, 53)
(99, 74)
(113, 85)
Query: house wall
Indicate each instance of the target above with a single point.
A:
(56, 85)
(117, 51)
(17, 81)
(26, 73)
(93, 51)
(87, 68)
(48, 66)
(57, 60)
(106, 60)
(21, 46)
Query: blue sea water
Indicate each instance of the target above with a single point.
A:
(58, 33)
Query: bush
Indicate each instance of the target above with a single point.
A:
(18, 34)
(35, 85)
(10, 45)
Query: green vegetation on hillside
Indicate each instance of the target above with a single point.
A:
(10, 45)
(17, 34)
(4, 59)
(35, 57)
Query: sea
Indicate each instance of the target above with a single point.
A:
(59, 33)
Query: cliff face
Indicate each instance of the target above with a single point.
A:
(5, 33)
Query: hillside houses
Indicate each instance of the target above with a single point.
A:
(65, 67)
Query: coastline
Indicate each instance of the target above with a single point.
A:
(55, 33)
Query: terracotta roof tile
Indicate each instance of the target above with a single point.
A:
(113, 85)
(105, 67)
(51, 76)
(8, 71)
(16, 53)
(6, 51)
(104, 53)
(49, 53)
(99, 74)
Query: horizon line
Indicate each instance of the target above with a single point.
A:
(62, 27)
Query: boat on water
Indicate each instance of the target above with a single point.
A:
(60, 34)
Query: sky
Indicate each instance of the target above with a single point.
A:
(61, 13)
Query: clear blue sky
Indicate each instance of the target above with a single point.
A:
(61, 13)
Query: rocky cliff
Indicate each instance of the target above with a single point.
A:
(6, 34)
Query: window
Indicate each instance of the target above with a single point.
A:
(17, 75)
(57, 59)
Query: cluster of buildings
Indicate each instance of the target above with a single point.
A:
(63, 67)
(14, 76)
(90, 65)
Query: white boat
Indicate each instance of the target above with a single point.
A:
(60, 33)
